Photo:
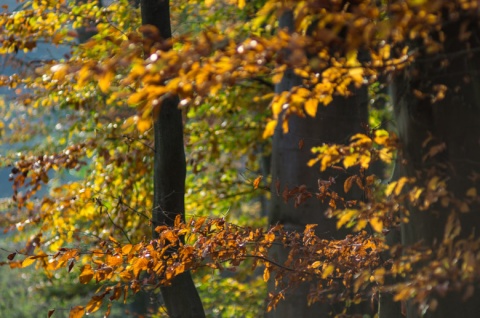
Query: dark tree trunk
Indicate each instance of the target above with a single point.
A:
(453, 122)
(333, 124)
(181, 297)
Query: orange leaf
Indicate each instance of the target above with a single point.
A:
(140, 264)
(114, 260)
(86, 274)
(77, 312)
(256, 182)
(126, 249)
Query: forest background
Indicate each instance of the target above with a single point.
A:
(104, 103)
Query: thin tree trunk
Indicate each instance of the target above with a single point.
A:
(333, 124)
(181, 297)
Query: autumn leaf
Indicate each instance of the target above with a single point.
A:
(257, 181)
(327, 271)
(269, 129)
(126, 249)
(77, 312)
(266, 274)
(144, 124)
(376, 224)
(311, 107)
(86, 274)
(50, 313)
(104, 80)
(94, 304)
(28, 261)
(347, 185)
(316, 264)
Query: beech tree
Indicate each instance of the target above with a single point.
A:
(330, 210)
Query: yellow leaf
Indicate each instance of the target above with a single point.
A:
(269, 129)
(241, 4)
(266, 274)
(77, 312)
(316, 264)
(385, 155)
(135, 98)
(376, 224)
(390, 188)
(28, 261)
(381, 136)
(327, 271)
(311, 107)
(104, 81)
(209, 3)
(144, 124)
(277, 104)
(59, 71)
(379, 275)
(400, 184)
(285, 126)
(346, 217)
(360, 225)
(86, 274)
(350, 160)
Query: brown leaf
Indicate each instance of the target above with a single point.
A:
(11, 256)
(70, 266)
(347, 185)
(301, 143)
(50, 313)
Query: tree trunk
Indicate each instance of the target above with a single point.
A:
(333, 124)
(454, 123)
(181, 297)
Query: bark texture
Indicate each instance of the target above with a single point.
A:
(181, 297)
(335, 123)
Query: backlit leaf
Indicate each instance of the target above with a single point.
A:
(328, 271)
(94, 304)
(311, 107)
(86, 274)
(376, 224)
(269, 129)
(28, 261)
(257, 181)
(77, 312)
